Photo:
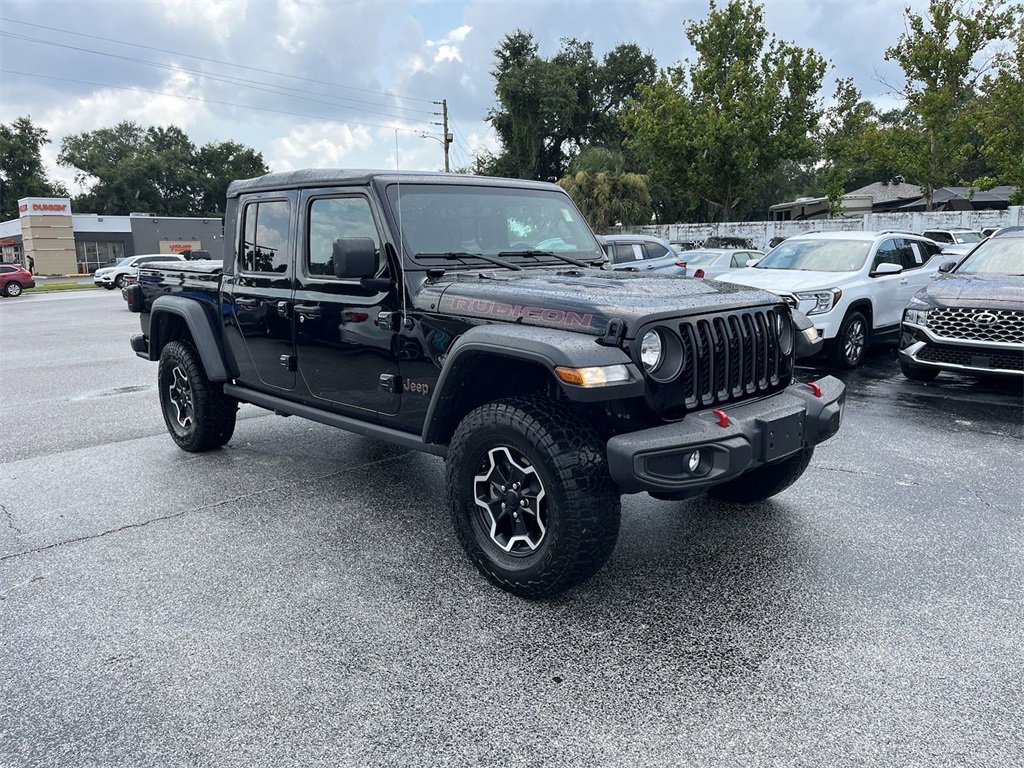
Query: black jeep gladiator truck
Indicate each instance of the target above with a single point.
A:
(470, 318)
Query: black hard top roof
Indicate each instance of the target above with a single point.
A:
(326, 177)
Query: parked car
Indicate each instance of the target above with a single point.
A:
(642, 253)
(955, 236)
(682, 245)
(114, 277)
(711, 263)
(972, 317)
(14, 278)
(852, 285)
(722, 241)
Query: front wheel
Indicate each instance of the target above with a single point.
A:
(530, 496)
(851, 344)
(765, 481)
(198, 415)
(119, 282)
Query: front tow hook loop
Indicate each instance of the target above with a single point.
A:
(723, 417)
(815, 389)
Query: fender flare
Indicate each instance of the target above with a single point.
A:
(200, 326)
(545, 347)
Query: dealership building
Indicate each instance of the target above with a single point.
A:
(60, 242)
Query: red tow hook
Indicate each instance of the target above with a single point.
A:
(814, 388)
(723, 417)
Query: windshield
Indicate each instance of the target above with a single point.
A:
(968, 237)
(701, 258)
(492, 221)
(123, 260)
(1002, 256)
(818, 255)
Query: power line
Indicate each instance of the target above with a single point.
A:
(218, 61)
(254, 84)
(211, 101)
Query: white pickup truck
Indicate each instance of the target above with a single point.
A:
(852, 285)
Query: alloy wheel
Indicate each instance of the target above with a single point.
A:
(510, 500)
(180, 396)
(856, 339)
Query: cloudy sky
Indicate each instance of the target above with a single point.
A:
(324, 83)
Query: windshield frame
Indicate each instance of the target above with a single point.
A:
(388, 190)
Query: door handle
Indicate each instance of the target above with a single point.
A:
(904, 281)
(282, 308)
(247, 302)
(306, 311)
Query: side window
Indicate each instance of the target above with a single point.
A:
(638, 252)
(265, 236)
(887, 253)
(331, 219)
(6, 269)
(739, 260)
(623, 253)
(939, 237)
(916, 256)
(655, 251)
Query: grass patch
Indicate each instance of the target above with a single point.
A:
(48, 287)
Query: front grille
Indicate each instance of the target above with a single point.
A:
(984, 358)
(1005, 326)
(731, 356)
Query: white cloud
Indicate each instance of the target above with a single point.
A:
(216, 17)
(321, 145)
(447, 53)
(299, 18)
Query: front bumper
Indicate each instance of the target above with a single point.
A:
(103, 279)
(919, 346)
(657, 460)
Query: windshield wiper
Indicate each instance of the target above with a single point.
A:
(537, 254)
(463, 255)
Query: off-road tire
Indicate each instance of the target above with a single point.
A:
(918, 372)
(582, 502)
(840, 355)
(12, 289)
(213, 413)
(763, 482)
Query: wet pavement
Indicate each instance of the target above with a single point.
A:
(298, 598)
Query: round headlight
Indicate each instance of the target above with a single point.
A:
(651, 350)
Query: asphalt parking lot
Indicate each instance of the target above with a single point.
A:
(298, 598)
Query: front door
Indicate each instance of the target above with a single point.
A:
(887, 308)
(260, 292)
(345, 334)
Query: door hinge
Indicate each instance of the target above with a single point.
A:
(391, 383)
(289, 362)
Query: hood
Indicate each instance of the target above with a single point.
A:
(580, 299)
(953, 290)
(789, 280)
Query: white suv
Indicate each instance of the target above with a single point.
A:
(852, 285)
(114, 276)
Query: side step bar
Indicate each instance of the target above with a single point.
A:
(376, 431)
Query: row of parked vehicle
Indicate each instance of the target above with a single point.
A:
(866, 288)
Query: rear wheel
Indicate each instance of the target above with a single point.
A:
(198, 415)
(918, 372)
(851, 344)
(530, 496)
(12, 289)
(765, 481)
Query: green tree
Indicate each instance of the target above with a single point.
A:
(157, 170)
(999, 116)
(549, 109)
(604, 192)
(939, 57)
(21, 166)
(715, 129)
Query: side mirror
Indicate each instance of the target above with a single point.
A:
(947, 266)
(888, 268)
(752, 262)
(354, 257)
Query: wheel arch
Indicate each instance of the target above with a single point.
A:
(865, 307)
(174, 318)
(494, 362)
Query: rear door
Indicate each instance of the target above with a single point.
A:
(261, 291)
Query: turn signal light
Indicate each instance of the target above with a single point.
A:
(593, 377)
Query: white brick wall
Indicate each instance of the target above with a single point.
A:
(760, 232)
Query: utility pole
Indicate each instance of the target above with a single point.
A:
(448, 138)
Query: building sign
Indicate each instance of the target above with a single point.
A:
(44, 206)
(179, 246)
